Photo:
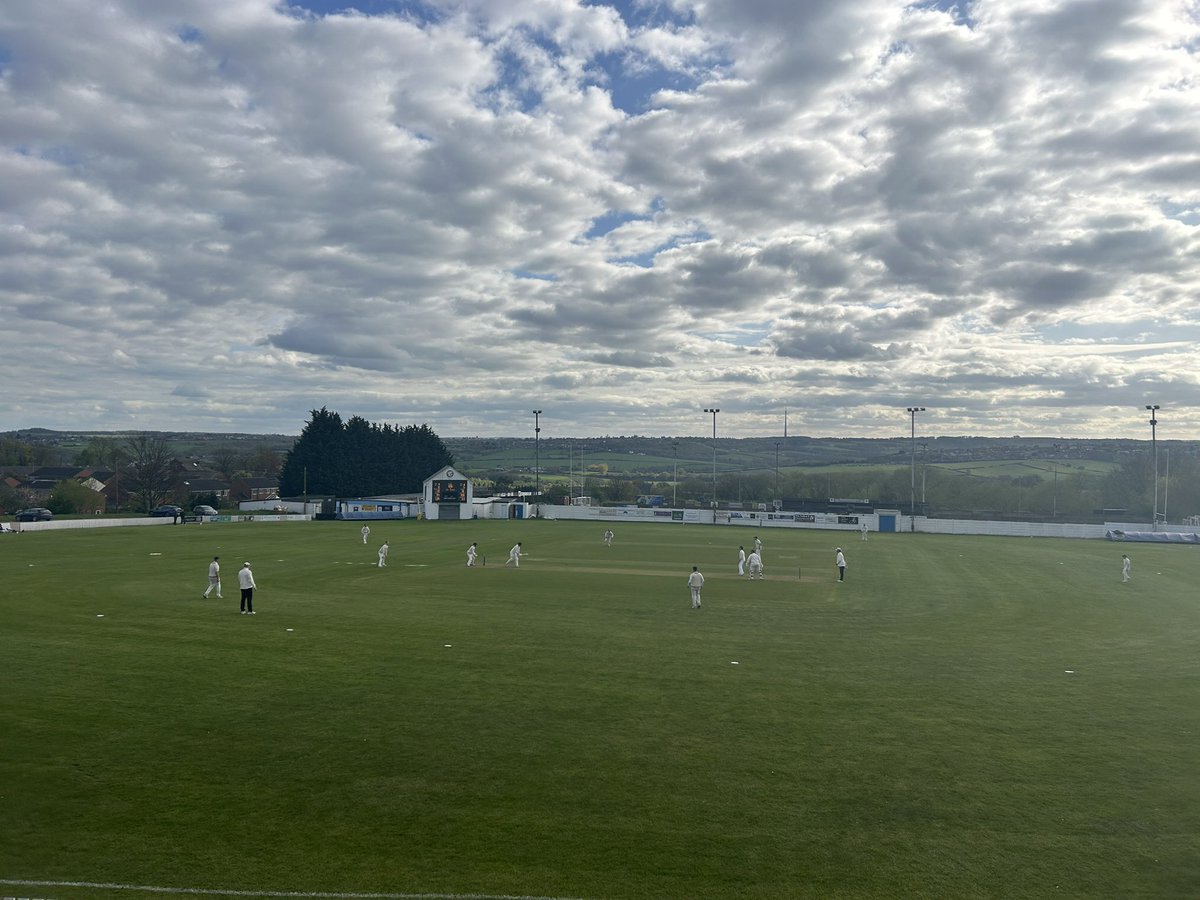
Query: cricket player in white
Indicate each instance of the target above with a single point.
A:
(214, 578)
(754, 561)
(757, 545)
(383, 552)
(514, 556)
(865, 529)
(608, 538)
(695, 582)
(741, 560)
(1126, 565)
(841, 564)
(366, 533)
(472, 552)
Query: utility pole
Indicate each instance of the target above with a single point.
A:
(912, 415)
(777, 470)
(674, 473)
(537, 456)
(1154, 451)
(714, 412)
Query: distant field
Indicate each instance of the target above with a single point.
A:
(965, 717)
(1042, 468)
(625, 464)
(617, 463)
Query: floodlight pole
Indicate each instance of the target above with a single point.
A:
(674, 472)
(537, 455)
(777, 470)
(912, 509)
(714, 411)
(1153, 408)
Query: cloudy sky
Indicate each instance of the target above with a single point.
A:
(217, 215)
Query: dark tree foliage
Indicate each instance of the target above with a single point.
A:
(11, 500)
(357, 458)
(17, 453)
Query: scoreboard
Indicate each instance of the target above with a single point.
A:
(450, 491)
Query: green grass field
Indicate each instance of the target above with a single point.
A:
(963, 718)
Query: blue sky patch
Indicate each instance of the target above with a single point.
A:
(1187, 214)
(641, 260)
(610, 221)
(752, 335)
(414, 10)
(646, 260)
(631, 81)
(60, 154)
(632, 90)
(533, 276)
(614, 219)
(646, 15)
(959, 9)
(513, 85)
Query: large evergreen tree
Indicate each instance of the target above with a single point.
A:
(358, 458)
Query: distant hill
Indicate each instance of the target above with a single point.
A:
(641, 456)
(637, 456)
(185, 443)
(1034, 478)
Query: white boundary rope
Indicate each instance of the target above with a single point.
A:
(218, 892)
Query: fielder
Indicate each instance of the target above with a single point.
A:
(383, 554)
(472, 552)
(754, 561)
(214, 578)
(1126, 565)
(366, 533)
(741, 560)
(695, 582)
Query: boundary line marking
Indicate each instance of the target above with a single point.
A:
(15, 882)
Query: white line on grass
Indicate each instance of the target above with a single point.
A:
(217, 892)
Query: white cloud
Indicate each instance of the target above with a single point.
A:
(223, 214)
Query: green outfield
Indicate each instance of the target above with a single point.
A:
(965, 717)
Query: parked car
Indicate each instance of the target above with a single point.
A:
(167, 510)
(34, 514)
(203, 510)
